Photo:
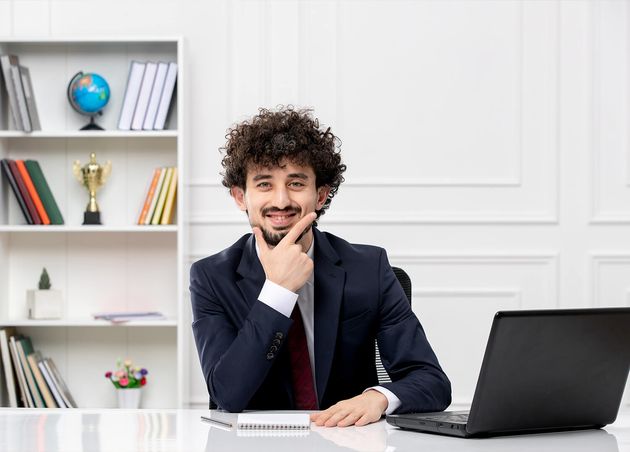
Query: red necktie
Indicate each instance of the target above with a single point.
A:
(302, 378)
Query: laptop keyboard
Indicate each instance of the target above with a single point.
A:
(456, 418)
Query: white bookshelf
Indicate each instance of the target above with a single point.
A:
(111, 267)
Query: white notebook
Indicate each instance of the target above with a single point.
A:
(260, 420)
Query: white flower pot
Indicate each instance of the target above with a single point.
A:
(129, 398)
(44, 304)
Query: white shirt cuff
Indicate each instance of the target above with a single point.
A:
(393, 402)
(278, 298)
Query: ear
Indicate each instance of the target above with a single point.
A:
(239, 197)
(322, 195)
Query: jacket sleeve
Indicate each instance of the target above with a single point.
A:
(235, 359)
(417, 378)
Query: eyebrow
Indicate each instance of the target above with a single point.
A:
(302, 176)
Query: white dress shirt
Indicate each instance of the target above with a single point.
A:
(283, 301)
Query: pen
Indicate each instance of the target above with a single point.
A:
(216, 421)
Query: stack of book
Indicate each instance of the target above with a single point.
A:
(127, 316)
(31, 191)
(35, 378)
(160, 202)
(148, 95)
(19, 89)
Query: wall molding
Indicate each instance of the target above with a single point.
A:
(367, 218)
(597, 260)
(597, 214)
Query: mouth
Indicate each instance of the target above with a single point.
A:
(281, 220)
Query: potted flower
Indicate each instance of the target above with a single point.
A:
(45, 303)
(128, 381)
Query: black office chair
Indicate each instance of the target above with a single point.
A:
(405, 282)
(383, 377)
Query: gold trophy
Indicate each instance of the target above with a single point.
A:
(92, 176)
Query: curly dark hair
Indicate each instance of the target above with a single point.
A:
(283, 134)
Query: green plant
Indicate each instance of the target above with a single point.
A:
(44, 280)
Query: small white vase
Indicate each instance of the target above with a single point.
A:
(129, 397)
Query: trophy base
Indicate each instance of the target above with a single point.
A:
(92, 218)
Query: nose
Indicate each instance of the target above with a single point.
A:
(281, 198)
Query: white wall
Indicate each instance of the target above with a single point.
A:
(487, 141)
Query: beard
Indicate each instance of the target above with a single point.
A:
(272, 237)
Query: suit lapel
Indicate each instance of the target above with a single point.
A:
(253, 278)
(253, 275)
(329, 284)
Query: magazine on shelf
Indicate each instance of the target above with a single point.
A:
(120, 317)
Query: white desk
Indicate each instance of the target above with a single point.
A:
(182, 430)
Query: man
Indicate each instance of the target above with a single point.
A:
(286, 318)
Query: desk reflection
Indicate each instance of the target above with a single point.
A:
(573, 441)
(381, 438)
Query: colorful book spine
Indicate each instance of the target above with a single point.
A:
(51, 383)
(33, 358)
(162, 199)
(149, 198)
(61, 384)
(158, 188)
(48, 200)
(32, 191)
(13, 183)
(6, 61)
(167, 94)
(167, 214)
(24, 347)
(9, 375)
(24, 192)
(25, 393)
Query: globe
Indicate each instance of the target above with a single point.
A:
(88, 93)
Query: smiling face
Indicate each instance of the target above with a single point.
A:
(276, 198)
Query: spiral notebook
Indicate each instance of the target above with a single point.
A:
(259, 420)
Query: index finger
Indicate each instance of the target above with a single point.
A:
(299, 227)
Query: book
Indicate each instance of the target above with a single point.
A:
(260, 420)
(32, 191)
(61, 384)
(156, 95)
(143, 98)
(25, 393)
(24, 193)
(21, 97)
(167, 94)
(8, 174)
(158, 188)
(30, 98)
(46, 196)
(51, 383)
(162, 199)
(24, 347)
(149, 197)
(134, 80)
(121, 317)
(9, 374)
(6, 62)
(33, 359)
(167, 214)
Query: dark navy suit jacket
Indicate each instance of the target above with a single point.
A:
(358, 299)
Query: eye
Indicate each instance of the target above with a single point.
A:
(296, 184)
(263, 185)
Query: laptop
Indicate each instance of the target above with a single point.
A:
(543, 370)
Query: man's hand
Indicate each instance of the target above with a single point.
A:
(286, 264)
(360, 410)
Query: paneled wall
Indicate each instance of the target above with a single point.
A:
(486, 141)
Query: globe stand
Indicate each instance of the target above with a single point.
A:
(92, 125)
